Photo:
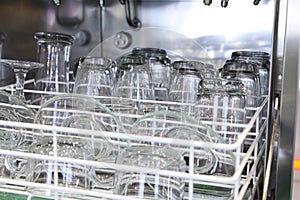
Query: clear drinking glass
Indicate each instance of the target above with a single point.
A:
(133, 88)
(77, 112)
(53, 50)
(94, 78)
(160, 66)
(184, 86)
(148, 184)
(222, 101)
(247, 72)
(263, 61)
(206, 70)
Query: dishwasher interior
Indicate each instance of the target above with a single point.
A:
(208, 31)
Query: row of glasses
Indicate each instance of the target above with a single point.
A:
(140, 91)
(134, 80)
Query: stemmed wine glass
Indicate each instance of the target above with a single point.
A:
(16, 105)
(20, 69)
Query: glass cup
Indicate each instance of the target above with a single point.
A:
(148, 184)
(263, 61)
(206, 160)
(20, 69)
(206, 70)
(222, 101)
(247, 72)
(94, 78)
(160, 66)
(133, 89)
(184, 86)
(53, 50)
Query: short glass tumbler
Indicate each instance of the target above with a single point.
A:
(160, 66)
(94, 78)
(263, 60)
(133, 89)
(222, 101)
(148, 183)
(247, 72)
(184, 86)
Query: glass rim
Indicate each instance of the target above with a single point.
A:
(149, 51)
(54, 37)
(97, 60)
(259, 54)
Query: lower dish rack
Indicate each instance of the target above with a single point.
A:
(213, 168)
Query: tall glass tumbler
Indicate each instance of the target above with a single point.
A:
(148, 184)
(160, 65)
(53, 49)
(184, 86)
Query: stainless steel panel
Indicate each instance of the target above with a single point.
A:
(289, 102)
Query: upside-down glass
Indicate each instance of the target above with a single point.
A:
(160, 66)
(94, 78)
(148, 184)
(184, 86)
(222, 101)
(206, 70)
(133, 88)
(247, 72)
(263, 61)
(77, 112)
(53, 50)
(21, 68)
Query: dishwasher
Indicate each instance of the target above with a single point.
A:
(124, 142)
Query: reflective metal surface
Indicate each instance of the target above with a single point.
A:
(289, 102)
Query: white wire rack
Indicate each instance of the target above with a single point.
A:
(247, 155)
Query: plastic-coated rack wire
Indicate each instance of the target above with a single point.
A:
(244, 182)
